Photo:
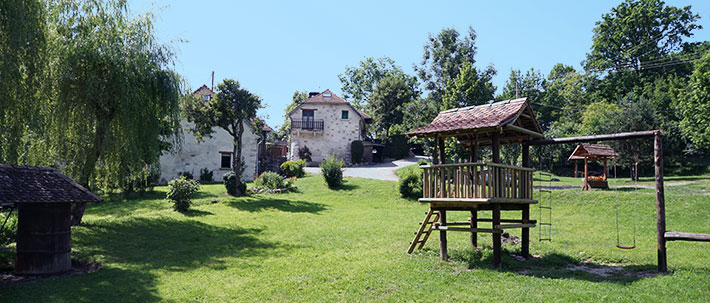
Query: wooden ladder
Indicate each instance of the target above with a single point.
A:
(425, 229)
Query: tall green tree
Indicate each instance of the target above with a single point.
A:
(22, 67)
(114, 91)
(470, 87)
(388, 100)
(694, 106)
(359, 82)
(231, 108)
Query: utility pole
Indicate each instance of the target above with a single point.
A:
(212, 87)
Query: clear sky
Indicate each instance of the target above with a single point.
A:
(274, 48)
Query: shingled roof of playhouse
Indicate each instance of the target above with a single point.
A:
(37, 184)
(514, 119)
(593, 151)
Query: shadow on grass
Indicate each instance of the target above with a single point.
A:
(557, 266)
(264, 203)
(197, 213)
(168, 243)
(346, 186)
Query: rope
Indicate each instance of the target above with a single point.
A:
(618, 241)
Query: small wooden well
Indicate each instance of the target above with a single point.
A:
(43, 198)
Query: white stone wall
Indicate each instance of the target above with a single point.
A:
(194, 155)
(336, 136)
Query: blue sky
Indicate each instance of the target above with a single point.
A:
(274, 48)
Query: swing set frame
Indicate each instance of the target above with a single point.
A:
(662, 236)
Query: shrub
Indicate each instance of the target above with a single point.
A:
(294, 168)
(332, 170)
(397, 147)
(180, 192)
(206, 175)
(410, 185)
(186, 174)
(233, 187)
(7, 235)
(304, 154)
(356, 151)
(422, 162)
(270, 180)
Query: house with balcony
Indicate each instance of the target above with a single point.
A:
(327, 124)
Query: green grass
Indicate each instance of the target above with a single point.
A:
(349, 244)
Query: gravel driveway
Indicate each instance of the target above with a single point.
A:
(380, 171)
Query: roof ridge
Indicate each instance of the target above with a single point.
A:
(28, 167)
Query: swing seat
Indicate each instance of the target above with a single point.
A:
(626, 247)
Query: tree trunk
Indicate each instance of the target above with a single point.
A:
(89, 168)
(237, 160)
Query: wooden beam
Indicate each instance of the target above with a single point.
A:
(660, 202)
(497, 249)
(526, 131)
(681, 236)
(606, 137)
(507, 226)
(467, 229)
(443, 245)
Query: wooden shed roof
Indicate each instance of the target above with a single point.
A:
(514, 119)
(37, 184)
(593, 151)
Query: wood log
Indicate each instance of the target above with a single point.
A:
(497, 257)
(660, 203)
(681, 236)
(443, 245)
(606, 137)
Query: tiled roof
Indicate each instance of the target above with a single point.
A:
(593, 150)
(36, 184)
(474, 117)
(203, 90)
(325, 97)
(364, 115)
(265, 128)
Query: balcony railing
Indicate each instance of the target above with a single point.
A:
(308, 124)
(477, 180)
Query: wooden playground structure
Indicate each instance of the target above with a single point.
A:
(595, 152)
(481, 186)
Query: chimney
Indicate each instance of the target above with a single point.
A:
(313, 94)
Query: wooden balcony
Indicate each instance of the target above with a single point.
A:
(477, 183)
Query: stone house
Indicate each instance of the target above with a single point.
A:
(327, 125)
(215, 153)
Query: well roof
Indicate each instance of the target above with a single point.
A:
(37, 184)
(586, 150)
(482, 120)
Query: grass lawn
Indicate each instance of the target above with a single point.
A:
(324, 245)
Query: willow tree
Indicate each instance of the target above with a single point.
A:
(115, 94)
(22, 46)
(230, 109)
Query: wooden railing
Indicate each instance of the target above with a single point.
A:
(477, 180)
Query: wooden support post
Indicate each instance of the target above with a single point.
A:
(442, 237)
(496, 159)
(496, 237)
(586, 174)
(575, 167)
(525, 245)
(474, 224)
(605, 169)
(660, 202)
(442, 151)
(442, 177)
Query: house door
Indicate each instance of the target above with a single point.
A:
(308, 115)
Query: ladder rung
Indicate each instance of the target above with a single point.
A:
(545, 240)
(544, 190)
(549, 224)
(546, 207)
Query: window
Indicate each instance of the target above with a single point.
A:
(308, 118)
(206, 97)
(226, 158)
(344, 115)
(327, 95)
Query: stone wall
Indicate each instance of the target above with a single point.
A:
(193, 155)
(336, 136)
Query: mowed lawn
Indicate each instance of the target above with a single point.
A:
(349, 245)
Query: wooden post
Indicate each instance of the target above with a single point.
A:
(442, 237)
(660, 202)
(442, 170)
(496, 237)
(442, 151)
(525, 245)
(605, 168)
(526, 208)
(575, 167)
(496, 159)
(474, 224)
(586, 172)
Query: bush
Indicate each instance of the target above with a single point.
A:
(332, 170)
(294, 168)
(397, 147)
(180, 192)
(410, 185)
(186, 174)
(7, 235)
(356, 151)
(422, 162)
(304, 154)
(271, 180)
(230, 183)
(206, 175)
